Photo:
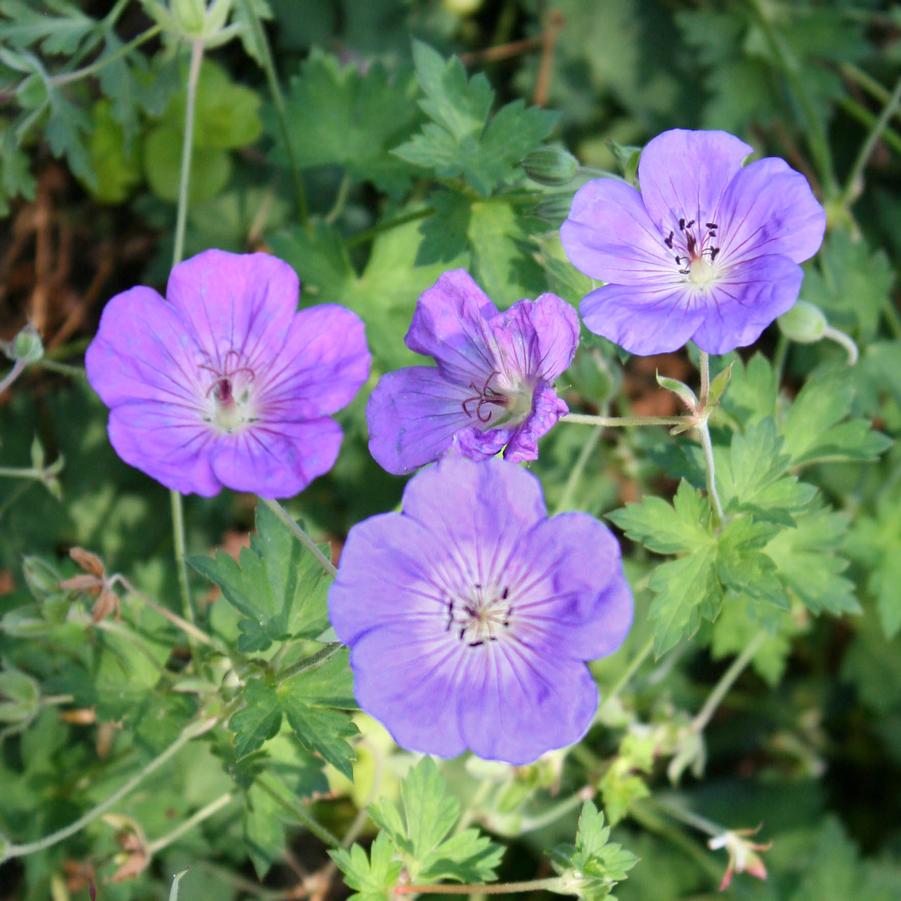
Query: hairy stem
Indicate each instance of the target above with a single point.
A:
(181, 566)
(188, 734)
(706, 443)
(626, 421)
(492, 888)
(575, 474)
(203, 814)
(855, 178)
(839, 337)
(369, 233)
(75, 372)
(311, 662)
(278, 101)
(300, 813)
(300, 535)
(634, 665)
(340, 200)
(721, 689)
(103, 61)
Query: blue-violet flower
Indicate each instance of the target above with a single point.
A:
(471, 614)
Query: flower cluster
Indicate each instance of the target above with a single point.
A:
(471, 614)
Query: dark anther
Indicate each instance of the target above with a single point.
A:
(669, 241)
(486, 396)
(450, 616)
(713, 252)
(690, 223)
(682, 225)
(505, 593)
(711, 225)
(475, 644)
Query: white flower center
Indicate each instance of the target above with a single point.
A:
(480, 615)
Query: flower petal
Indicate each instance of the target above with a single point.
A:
(644, 320)
(276, 459)
(770, 209)
(321, 366)
(409, 683)
(236, 302)
(385, 578)
(169, 445)
(570, 595)
(747, 298)
(142, 351)
(609, 236)
(449, 324)
(683, 174)
(412, 416)
(515, 706)
(547, 408)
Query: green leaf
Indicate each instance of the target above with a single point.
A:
(277, 585)
(814, 428)
(445, 235)
(743, 567)
(20, 697)
(372, 878)
(60, 27)
(739, 622)
(258, 720)
(16, 179)
(459, 140)
(664, 528)
(421, 825)
(210, 168)
(593, 866)
(339, 116)
(753, 390)
(67, 130)
(264, 830)
(118, 169)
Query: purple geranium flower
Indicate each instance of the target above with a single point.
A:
(707, 251)
(470, 614)
(227, 384)
(492, 387)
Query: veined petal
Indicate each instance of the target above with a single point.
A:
(449, 324)
(547, 408)
(321, 366)
(644, 320)
(684, 174)
(165, 443)
(276, 459)
(769, 209)
(610, 237)
(745, 300)
(514, 705)
(236, 303)
(142, 351)
(412, 416)
(409, 682)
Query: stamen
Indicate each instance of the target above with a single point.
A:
(484, 396)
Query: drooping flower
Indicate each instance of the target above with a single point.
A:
(471, 614)
(226, 384)
(707, 251)
(492, 387)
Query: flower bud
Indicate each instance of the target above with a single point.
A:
(194, 20)
(554, 208)
(26, 346)
(551, 166)
(803, 323)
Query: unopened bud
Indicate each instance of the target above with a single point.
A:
(551, 166)
(803, 323)
(26, 346)
(554, 208)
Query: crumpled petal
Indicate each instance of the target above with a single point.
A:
(547, 408)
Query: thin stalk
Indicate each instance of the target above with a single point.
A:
(634, 665)
(340, 199)
(369, 233)
(203, 814)
(689, 817)
(855, 178)
(839, 337)
(178, 517)
(865, 117)
(780, 357)
(891, 315)
(188, 734)
(323, 834)
(721, 689)
(612, 422)
(16, 472)
(496, 888)
(553, 813)
(97, 65)
(706, 443)
(311, 662)
(280, 110)
(300, 535)
(575, 474)
(705, 378)
(18, 368)
(75, 372)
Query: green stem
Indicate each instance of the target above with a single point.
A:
(706, 443)
(18, 368)
(633, 667)
(496, 888)
(340, 199)
(704, 715)
(780, 357)
(689, 817)
(280, 110)
(188, 734)
(76, 372)
(323, 834)
(891, 315)
(97, 65)
(16, 472)
(203, 814)
(839, 337)
(300, 535)
(369, 233)
(575, 474)
(865, 117)
(181, 566)
(854, 185)
(311, 662)
(626, 421)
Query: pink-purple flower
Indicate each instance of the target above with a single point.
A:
(492, 387)
(471, 614)
(225, 383)
(707, 251)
